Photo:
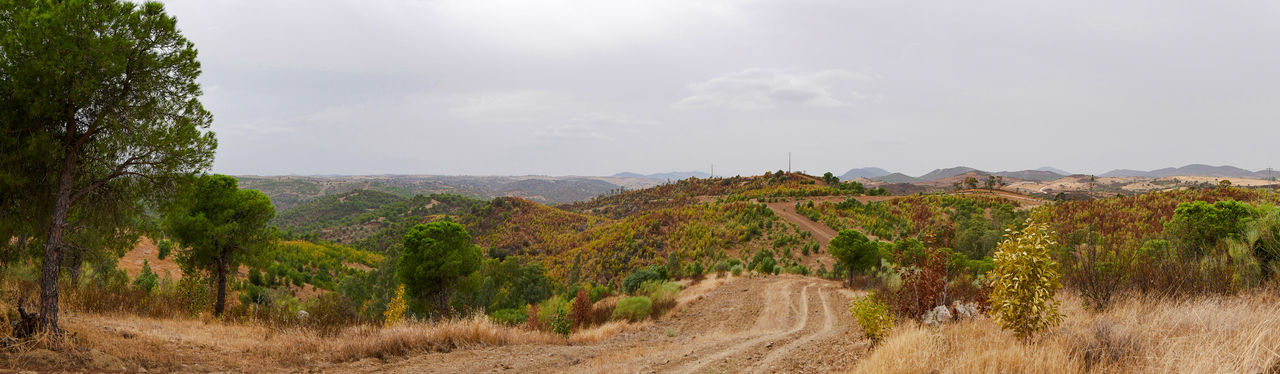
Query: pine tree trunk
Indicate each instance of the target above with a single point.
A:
(221, 302)
(53, 247)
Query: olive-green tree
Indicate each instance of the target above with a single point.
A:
(855, 252)
(435, 258)
(218, 226)
(97, 95)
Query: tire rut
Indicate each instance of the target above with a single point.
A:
(801, 323)
(828, 328)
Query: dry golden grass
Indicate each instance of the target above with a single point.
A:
(172, 343)
(1235, 334)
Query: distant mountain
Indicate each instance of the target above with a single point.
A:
(675, 175)
(1031, 175)
(1224, 171)
(937, 174)
(1206, 171)
(896, 178)
(1054, 170)
(1126, 173)
(868, 173)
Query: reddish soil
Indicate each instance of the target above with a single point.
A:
(147, 252)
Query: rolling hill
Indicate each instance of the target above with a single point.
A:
(1202, 170)
(868, 173)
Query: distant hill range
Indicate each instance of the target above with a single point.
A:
(878, 174)
(287, 191)
(1224, 171)
(1051, 173)
(675, 175)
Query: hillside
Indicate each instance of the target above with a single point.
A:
(355, 216)
(695, 219)
(287, 191)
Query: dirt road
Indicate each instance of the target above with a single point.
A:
(762, 325)
(821, 232)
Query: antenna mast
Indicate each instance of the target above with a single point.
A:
(788, 162)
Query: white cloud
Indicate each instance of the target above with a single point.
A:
(760, 88)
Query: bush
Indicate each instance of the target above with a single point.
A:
(693, 270)
(736, 270)
(329, 313)
(721, 267)
(638, 277)
(581, 312)
(394, 314)
(193, 295)
(1024, 281)
(633, 309)
(560, 323)
(662, 293)
(146, 280)
(1097, 271)
(598, 292)
(509, 317)
(924, 279)
(549, 309)
(873, 316)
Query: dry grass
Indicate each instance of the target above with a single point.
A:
(1238, 334)
(176, 344)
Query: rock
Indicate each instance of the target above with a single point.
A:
(936, 316)
(303, 315)
(966, 310)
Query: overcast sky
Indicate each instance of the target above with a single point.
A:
(591, 87)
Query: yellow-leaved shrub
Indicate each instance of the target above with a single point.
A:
(1025, 280)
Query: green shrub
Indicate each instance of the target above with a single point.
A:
(693, 270)
(597, 292)
(721, 267)
(163, 247)
(550, 308)
(509, 317)
(146, 280)
(736, 270)
(633, 309)
(560, 323)
(874, 317)
(638, 277)
(1025, 280)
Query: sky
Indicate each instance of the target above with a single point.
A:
(596, 87)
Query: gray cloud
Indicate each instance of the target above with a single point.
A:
(768, 88)
(571, 87)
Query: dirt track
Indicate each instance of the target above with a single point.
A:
(775, 324)
(821, 232)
